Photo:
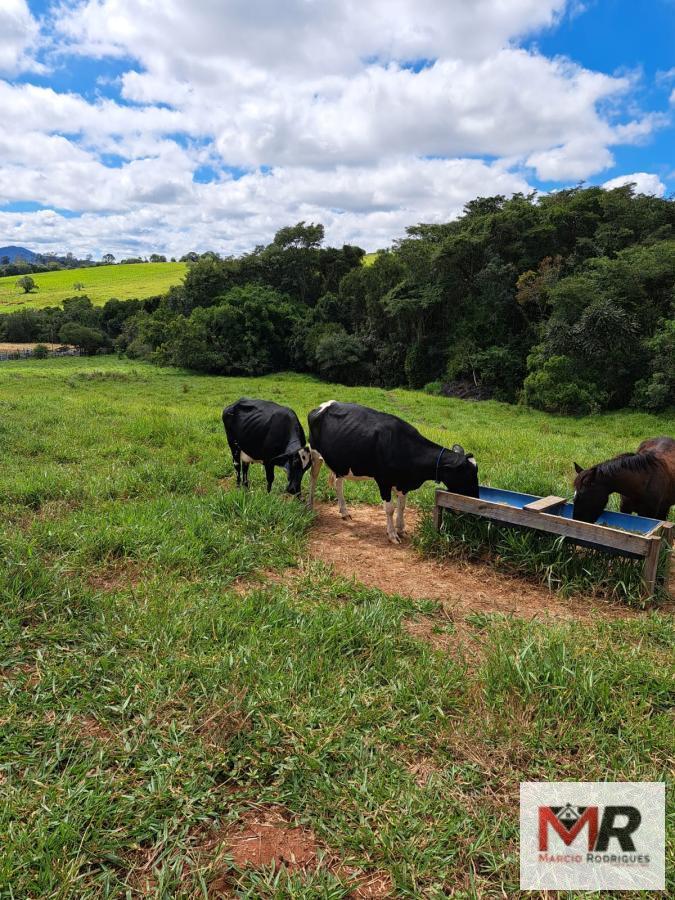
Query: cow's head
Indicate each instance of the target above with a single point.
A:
(296, 465)
(459, 472)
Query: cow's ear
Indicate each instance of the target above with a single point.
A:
(457, 448)
(577, 468)
(469, 455)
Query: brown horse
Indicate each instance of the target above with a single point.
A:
(645, 480)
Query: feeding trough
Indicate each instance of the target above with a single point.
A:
(614, 533)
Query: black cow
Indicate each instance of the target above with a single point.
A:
(357, 442)
(264, 432)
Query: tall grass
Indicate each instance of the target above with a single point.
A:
(149, 695)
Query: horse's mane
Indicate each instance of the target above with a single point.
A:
(624, 462)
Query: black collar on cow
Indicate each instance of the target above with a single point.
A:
(438, 462)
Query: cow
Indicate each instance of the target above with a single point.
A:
(357, 442)
(260, 431)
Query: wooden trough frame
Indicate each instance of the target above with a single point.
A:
(614, 533)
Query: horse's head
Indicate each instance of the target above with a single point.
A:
(590, 494)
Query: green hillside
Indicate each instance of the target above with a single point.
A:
(124, 282)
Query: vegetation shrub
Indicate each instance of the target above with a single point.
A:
(565, 301)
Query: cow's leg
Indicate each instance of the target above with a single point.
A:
(236, 459)
(317, 460)
(340, 491)
(244, 473)
(389, 506)
(269, 474)
(400, 512)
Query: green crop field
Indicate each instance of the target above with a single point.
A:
(180, 678)
(101, 283)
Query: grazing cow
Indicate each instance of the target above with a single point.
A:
(357, 442)
(259, 431)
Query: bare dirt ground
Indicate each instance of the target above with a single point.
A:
(8, 347)
(359, 549)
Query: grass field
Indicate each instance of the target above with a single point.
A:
(124, 282)
(155, 707)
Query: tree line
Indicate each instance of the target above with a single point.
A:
(565, 302)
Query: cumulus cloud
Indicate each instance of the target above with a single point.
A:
(367, 117)
(19, 32)
(645, 183)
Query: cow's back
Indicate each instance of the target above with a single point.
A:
(357, 439)
(263, 429)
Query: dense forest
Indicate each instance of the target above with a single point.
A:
(565, 302)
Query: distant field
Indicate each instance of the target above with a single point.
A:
(124, 282)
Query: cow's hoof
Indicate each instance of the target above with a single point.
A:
(394, 540)
(346, 517)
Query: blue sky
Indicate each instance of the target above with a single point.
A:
(202, 125)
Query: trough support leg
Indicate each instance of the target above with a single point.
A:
(668, 533)
(438, 517)
(651, 566)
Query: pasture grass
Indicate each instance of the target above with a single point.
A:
(101, 283)
(150, 698)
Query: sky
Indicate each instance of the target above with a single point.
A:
(133, 127)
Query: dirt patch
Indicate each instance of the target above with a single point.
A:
(266, 837)
(422, 769)
(359, 549)
(118, 575)
(9, 347)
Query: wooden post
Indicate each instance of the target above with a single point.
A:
(651, 566)
(438, 515)
(668, 534)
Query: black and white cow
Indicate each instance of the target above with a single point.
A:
(259, 431)
(357, 442)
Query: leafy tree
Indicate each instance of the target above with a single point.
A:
(27, 284)
(108, 259)
(88, 339)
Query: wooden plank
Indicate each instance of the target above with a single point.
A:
(585, 531)
(651, 566)
(545, 503)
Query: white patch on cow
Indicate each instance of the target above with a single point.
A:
(317, 461)
(339, 490)
(473, 462)
(400, 512)
(245, 458)
(325, 405)
(389, 507)
(305, 456)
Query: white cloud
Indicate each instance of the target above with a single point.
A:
(369, 206)
(645, 183)
(18, 35)
(324, 93)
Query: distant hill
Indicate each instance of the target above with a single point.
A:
(99, 283)
(19, 253)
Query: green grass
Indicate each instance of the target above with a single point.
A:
(101, 283)
(124, 641)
